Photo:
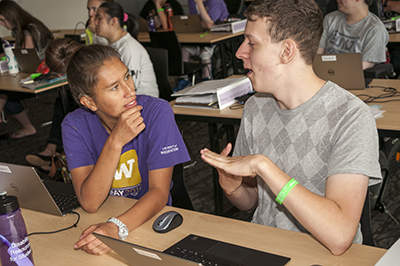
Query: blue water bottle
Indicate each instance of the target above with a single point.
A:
(15, 249)
(151, 23)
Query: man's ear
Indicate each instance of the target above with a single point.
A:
(88, 103)
(289, 51)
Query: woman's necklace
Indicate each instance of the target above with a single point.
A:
(105, 124)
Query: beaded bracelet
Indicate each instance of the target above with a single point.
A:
(160, 9)
(285, 190)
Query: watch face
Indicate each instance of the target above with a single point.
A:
(123, 233)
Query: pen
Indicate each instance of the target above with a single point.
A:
(204, 34)
(33, 76)
(394, 18)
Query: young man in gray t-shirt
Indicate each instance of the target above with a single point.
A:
(306, 148)
(353, 29)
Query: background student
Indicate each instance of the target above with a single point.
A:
(210, 12)
(118, 143)
(353, 29)
(28, 32)
(91, 36)
(110, 20)
(299, 166)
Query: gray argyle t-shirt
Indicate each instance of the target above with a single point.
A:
(332, 133)
(368, 37)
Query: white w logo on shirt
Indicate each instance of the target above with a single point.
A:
(123, 169)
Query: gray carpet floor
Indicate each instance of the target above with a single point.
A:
(198, 177)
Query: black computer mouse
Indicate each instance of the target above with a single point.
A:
(167, 222)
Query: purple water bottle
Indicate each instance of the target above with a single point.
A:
(15, 248)
(151, 24)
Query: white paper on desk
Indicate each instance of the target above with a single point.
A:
(225, 90)
(233, 26)
(26, 80)
(376, 112)
(205, 99)
(391, 257)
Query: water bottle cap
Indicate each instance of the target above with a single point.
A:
(8, 203)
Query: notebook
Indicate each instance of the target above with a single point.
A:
(28, 60)
(193, 250)
(35, 194)
(187, 24)
(343, 69)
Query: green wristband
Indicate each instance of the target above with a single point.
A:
(160, 9)
(285, 190)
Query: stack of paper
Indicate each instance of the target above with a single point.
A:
(39, 84)
(234, 27)
(215, 93)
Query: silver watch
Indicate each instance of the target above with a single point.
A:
(123, 231)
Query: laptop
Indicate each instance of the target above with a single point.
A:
(193, 250)
(35, 194)
(187, 24)
(343, 69)
(28, 59)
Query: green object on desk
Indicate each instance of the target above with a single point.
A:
(3, 58)
(204, 34)
(394, 18)
(33, 76)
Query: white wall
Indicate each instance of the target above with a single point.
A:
(55, 14)
(65, 14)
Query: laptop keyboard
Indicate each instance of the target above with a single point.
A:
(192, 256)
(66, 203)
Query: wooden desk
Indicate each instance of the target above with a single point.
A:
(195, 38)
(388, 125)
(303, 249)
(56, 33)
(10, 84)
(394, 37)
(61, 33)
(201, 39)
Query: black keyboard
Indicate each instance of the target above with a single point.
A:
(66, 203)
(192, 256)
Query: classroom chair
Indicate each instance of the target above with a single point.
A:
(365, 222)
(159, 58)
(235, 8)
(179, 194)
(169, 41)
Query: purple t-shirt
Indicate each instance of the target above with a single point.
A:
(216, 9)
(159, 145)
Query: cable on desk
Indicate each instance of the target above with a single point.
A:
(76, 26)
(8, 74)
(389, 92)
(57, 231)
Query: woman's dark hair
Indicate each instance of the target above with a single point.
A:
(58, 54)
(115, 10)
(81, 63)
(23, 21)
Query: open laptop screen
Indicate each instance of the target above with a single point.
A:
(343, 69)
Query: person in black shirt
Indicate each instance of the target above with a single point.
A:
(155, 8)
